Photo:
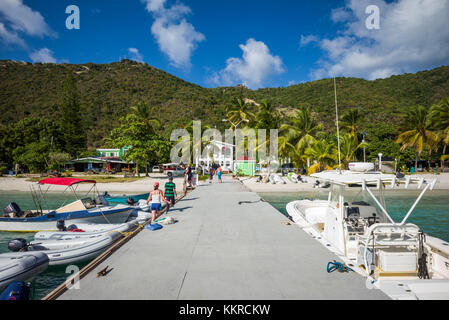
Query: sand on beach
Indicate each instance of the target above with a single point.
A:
(143, 185)
(146, 184)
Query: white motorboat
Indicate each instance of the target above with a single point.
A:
(22, 266)
(70, 250)
(88, 231)
(84, 210)
(395, 257)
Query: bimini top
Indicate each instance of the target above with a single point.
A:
(64, 181)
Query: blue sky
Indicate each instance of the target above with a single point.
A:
(261, 43)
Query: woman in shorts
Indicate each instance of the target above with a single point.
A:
(156, 197)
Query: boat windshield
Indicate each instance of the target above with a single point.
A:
(356, 196)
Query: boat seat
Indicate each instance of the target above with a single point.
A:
(74, 206)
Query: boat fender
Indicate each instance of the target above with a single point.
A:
(17, 290)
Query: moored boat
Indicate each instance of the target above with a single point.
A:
(395, 257)
(23, 266)
(84, 210)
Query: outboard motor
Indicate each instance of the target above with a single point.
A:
(14, 209)
(61, 225)
(17, 245)
(106, 194)
(130, 201)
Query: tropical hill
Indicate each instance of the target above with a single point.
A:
(108, 91)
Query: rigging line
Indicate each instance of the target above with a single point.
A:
(338, 130)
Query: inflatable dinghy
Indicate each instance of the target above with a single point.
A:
(18, 266)
(61, 252)
(89, 231)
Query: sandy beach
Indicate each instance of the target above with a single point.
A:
(146, 184)
(117, 188)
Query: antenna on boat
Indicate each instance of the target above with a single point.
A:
(338, 131)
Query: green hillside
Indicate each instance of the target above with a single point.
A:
(107, 91)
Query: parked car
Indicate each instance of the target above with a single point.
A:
(173, 169)
(156, 169)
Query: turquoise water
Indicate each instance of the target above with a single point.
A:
(431, 214)
(53, 276)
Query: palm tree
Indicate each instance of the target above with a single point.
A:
(267, 117)
(302, 130)
(144, 113)
(240, 111)
(418, 133)
(348, 146)
(323, 152)
(349, 122)
(439, 117)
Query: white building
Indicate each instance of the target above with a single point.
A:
(222, 153)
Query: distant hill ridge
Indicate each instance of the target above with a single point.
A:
(107, 91)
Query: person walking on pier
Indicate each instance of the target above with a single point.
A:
(219, 173)
(211, 173)
(170, 192)
(156, 197)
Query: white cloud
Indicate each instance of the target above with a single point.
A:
(135, 55)
(255, 66)
(305, 40)
(16, 18)
(175, 36)
(413, 36)
(43, 55)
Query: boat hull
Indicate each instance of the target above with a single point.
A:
(114, 215)
(21, 266)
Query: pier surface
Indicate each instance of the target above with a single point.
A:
(220, 249)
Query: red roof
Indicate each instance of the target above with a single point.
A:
(64, 181)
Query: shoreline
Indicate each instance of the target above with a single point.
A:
(145, 184)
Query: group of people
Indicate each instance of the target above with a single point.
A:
(217, 171)
(157, 197)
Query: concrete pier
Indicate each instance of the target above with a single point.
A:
(220, 249)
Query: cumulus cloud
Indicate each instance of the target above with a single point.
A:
(176, 37)
(17, 18)
(43, 55)
(135, 55)
(413, 36)
(255, 66)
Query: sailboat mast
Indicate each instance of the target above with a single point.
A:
(338, 131)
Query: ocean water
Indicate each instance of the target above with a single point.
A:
(431, 214)
(53, 276)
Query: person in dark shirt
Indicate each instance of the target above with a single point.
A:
(170, 191)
